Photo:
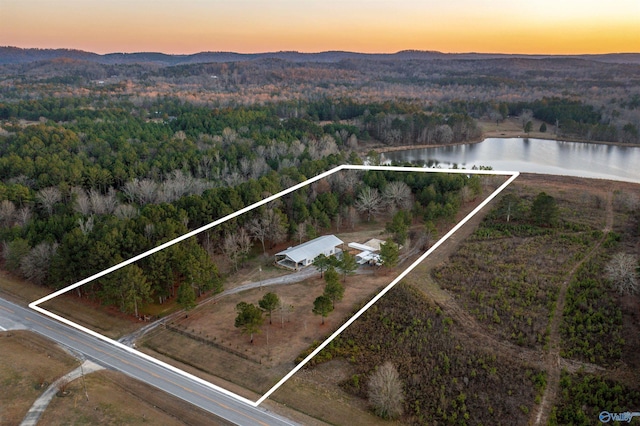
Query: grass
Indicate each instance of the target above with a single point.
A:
(114, 399)
(28, 361)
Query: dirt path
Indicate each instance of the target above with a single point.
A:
(38, 407)
(553, 362)
(291, 278)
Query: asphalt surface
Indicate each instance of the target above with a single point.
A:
(216, 402)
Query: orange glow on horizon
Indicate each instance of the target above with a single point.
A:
(372, 26)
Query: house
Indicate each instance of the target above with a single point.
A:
(298, 257)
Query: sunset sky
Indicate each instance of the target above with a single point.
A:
(190, 26)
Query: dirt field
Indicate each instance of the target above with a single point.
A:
(115, 399)
(330, 402)
(274, 349)
(512, 128)
(27, 362)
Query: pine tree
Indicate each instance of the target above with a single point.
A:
(186, 296)
(269, 302)
(322, 306)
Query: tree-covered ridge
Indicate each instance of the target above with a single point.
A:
(554, 88)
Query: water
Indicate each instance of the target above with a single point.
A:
(532, 156)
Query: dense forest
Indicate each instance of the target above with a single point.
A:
(587, 97)
(98, 182)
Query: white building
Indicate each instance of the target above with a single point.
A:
(369, 252)
(298, 257)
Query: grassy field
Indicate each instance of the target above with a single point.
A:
(29, 363)
(114, 399)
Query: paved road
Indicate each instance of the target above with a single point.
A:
(107, 355)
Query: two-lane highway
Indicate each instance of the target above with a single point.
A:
(116, 358)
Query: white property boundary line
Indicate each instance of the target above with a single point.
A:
(34, 305)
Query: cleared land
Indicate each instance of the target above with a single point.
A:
(29, 364)
(114, 399)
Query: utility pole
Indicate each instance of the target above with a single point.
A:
(84, 384)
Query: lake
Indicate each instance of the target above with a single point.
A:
(531, 156)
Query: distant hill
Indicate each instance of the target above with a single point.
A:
(16, 55)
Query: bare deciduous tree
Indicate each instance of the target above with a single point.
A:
(397, 195)
(625, 201)
(385, 391)
(369, 202)
(48, 197)
(352, 142)
(35, 265)
(322, 148)
(525, 116)
(82, 203)
(23, 216)
(7, 213)
(142, 191)
(444, 134)
(125, 211)
(236, 245)
(231, 249)
(111, 202)
(301, 232)
(229, 136)
(350, 217)
(284, 308)
(338, 221)
(86, 226)
(259, 167)
(276, 232)
(622, 271)
(149, 230)
(258, 230)
(244, 242)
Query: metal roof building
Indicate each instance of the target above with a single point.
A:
(301, 256)
(368, 252)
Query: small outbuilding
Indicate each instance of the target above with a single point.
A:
(368, 253)
(303, 255)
